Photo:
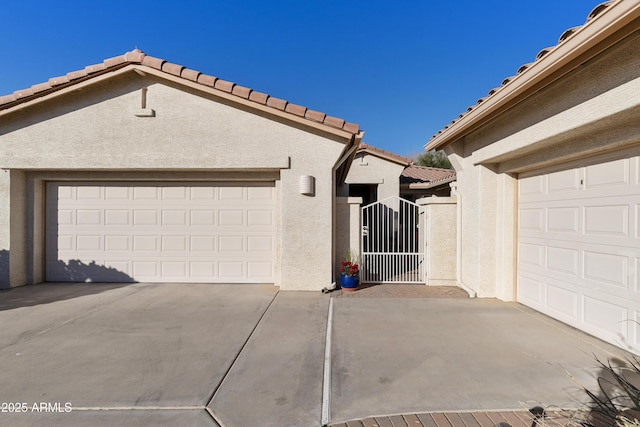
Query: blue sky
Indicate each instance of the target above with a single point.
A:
(402, 70)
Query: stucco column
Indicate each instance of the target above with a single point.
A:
(348, 228)
(496, 222)
(12, 228)
(5, 227)
(506, 238)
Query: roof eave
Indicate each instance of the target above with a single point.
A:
(608, 28)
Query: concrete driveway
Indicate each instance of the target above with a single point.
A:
(229, 355)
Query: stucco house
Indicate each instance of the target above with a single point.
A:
(138, 169)
(548, 180)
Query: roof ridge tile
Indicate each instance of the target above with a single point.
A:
(259, 97)
(173, 69)
(57, 81)
(298, 110)
(224, 85)
(190, 74)
(316, 116)
(207, 80)
(241, 91)
(278, 103)
(153, 62)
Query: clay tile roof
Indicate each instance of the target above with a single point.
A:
(298, 110)
(316, 116)
(206, 80)
(241, 91)
(563, 37)
(56, 81)
(174, 69)
(138, 57)
(598, 9)
(334, 121)
(278, 103)
(224, 85)
(415, 174)
(259, 97)
(378, 152)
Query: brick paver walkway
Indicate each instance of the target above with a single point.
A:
(461, 419)
(402, 291)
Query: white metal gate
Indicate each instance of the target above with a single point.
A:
(390, 242)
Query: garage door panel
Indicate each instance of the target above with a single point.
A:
(608, 174)
(579, 247)
(563, 260)
(165, 232)
(532, 219)
(606, 268)
(612, 220)
(563, 301)
(532, 254)
(531, 290)
(605, 317)
(563, 219)
(563, 181)
(532, 186)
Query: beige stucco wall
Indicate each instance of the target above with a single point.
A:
(439, 240)
(348, 229)
(95, 133)
(591, 110)
(369, 169)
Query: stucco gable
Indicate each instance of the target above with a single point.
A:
(383, 154)
(141, 63)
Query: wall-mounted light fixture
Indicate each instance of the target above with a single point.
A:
(307, 185)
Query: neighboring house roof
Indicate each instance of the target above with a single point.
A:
(423, 177)
(383, 154)
(141, 61)
(413, 176)
(607, 23)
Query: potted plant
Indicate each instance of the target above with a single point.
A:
(349, 274)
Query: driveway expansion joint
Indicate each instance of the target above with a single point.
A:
(235, 359)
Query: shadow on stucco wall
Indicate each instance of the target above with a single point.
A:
(77, 271)
(4, 268)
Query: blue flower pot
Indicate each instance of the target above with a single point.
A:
(349, 283)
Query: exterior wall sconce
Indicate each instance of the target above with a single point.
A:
(307, 185)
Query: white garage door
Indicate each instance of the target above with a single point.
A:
(579, 248)
(148, 232)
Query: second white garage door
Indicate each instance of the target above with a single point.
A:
(579, 248)
(161, 232)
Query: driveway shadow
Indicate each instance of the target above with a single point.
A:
(46, 293)
(80, 274)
